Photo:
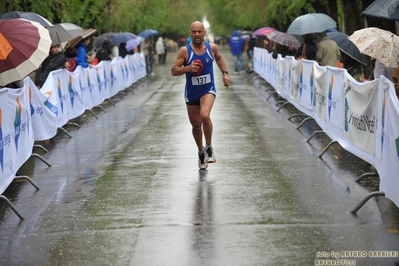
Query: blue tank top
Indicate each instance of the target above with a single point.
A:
(198, 86)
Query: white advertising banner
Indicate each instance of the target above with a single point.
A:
(320, 94)
(387, 140)
(7, 147)
(360, 114)
(73, 96)
(20, 111)
(44, 119)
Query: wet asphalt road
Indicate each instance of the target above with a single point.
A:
(126, 189)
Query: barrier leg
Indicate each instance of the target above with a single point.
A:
(66, 132)
(27, 178)
(314, 133)
(41, 158)
(297, 115)
(360, 178)
(91, 111)
(111, 102)
(12, 207)
(73, 124)
(262, 84)
(102, 108)
(285, 103)
(271, 94)
(40, 147)
(369, 196)
(328, 146)
(304, 121)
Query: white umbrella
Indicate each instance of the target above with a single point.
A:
(380, 44)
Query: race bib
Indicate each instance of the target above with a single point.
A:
(201, 80)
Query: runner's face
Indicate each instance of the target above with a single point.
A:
(197, 34)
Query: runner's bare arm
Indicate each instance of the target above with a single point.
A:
(221, 64)
(178, 67)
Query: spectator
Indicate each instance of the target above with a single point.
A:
(122, 50)
(15, 85)
(100, 55)
(308, 49)
(145, 47)
(267, 44)
(327, 51)
(160, 50)
(251, 46)
(71, 54)
(237, 46)
(82, 57)
(56, 60)
(283, 50)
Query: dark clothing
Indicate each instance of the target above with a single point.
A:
(283, 50)
(57, 62)
(251, 43)
(122, 50)
(310, 51)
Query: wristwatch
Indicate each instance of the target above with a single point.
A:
(225, 72)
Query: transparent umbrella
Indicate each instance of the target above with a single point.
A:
(311, 23)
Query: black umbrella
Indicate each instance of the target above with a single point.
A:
(387, 9)
(28, 16)
(347, 47)
(98, 43)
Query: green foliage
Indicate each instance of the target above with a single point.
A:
(173, 17)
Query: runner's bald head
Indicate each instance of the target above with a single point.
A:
(197, 24)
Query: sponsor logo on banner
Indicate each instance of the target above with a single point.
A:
(302, 86)
(312, 88)
(71, 91)
(112, 76)
(17, 122)
(397, 147)
(384, 103)
(331, 104)
(98, 80)
(60, 96)
(49, 105)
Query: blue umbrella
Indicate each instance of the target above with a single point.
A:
(28, 16)
(386, 9)
(122, 37)
(148, 32)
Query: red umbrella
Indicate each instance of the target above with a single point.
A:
(30, 44)
(263, 31)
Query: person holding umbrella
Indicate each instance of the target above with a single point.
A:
(327, 51)
(55, 60)
(81, 58)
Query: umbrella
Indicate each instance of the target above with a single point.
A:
(148, 32)
(30, 43)
(133, 43)
(64, 32)
(263, 31)
(387, 9)
(311, 23)
(86, 33)
(27, 15)
(283, 38)
(122, 37)
(347, 47)
(379, 44)
(98, 43)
